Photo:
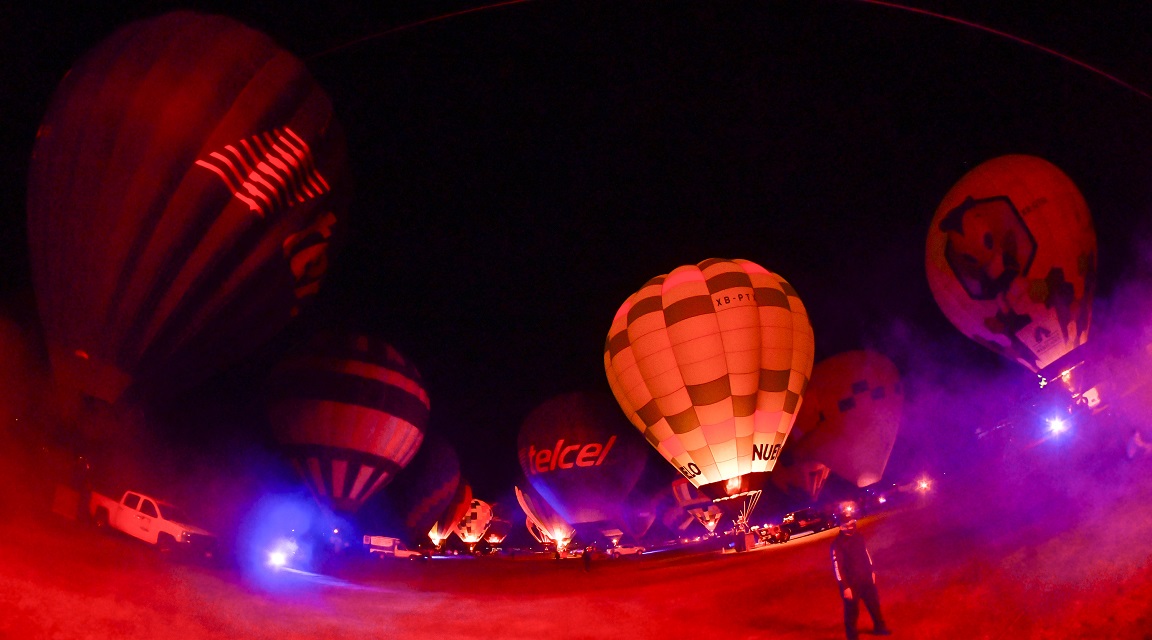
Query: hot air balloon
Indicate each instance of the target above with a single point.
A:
(185, 185)
(710, 363)
(696, 504)
(858, 398)
(424, 489)
(498, 530)
(805, 477)
(447, 521)
(545, 525)
(1011, 260)
(471, 527)
(581, 456)
(350, 412)
(795, 474)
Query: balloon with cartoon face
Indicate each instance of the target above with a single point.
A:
(1011, 260)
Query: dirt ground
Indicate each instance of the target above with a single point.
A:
(970, 561)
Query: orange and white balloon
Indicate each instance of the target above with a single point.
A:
(710, 363)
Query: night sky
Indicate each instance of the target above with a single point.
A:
(520, 171)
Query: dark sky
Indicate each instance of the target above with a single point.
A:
(521, 171)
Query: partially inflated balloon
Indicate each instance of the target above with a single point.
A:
(350, 412)
(447, 521)
(578, 452)
(1011, 260)
(858, 399)
(474, 523)
(184, 187)
(710, 362)
(545, 525)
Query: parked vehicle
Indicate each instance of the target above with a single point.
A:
(805, 520)
(394, 547)
(625, 550)
(773, 534)
(154, 521)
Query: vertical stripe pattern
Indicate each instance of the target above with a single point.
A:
(709, 362)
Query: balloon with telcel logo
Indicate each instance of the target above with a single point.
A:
(710, 363)
(1011, 260)
(184, 188)
(580, 455)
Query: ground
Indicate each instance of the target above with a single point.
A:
(969, 561)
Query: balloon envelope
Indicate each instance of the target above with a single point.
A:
(580, 455)
(350, 412)
(474, 523)
(184, 187)
(858, 399)
(710, 362)
(1011, 260)
(447, 521)
(696, 504)
(543, 522)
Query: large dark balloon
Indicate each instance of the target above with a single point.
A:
(350, 412)
(424, 489)
(184, 187)
(582, 456)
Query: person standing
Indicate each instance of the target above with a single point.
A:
(855, 574)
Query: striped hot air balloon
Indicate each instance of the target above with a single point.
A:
(185, 186)
(710, 363)
(350, 412)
